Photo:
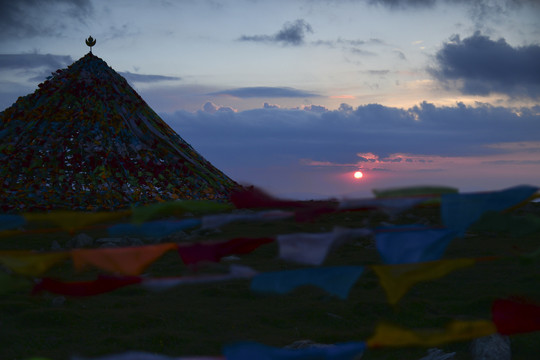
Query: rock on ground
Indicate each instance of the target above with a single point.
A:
(493, 347)
(81, 240)
(306, 344)
(438, 354)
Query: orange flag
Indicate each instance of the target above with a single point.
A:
(30, 263)
(126, 261)
(398, 279)
(458, 330)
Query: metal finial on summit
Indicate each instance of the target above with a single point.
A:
(90, 42)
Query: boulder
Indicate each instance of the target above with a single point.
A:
(81, 240)
(308, 344)
(119, 242)
(492, 347)
(55, 246)
(304, 344)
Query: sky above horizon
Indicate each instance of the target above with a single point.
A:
(295, 96)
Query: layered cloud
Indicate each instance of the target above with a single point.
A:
(486, 5)
(400, 4)
(264, 92)
(478, 65)
(355, 46)
(145, 78)
(292, 33)
(426, 143)
(211, 108)
(30, 18)
(33, 61)
(339, 136)
(32, 67)
(481, 12)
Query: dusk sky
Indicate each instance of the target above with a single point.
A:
(294, 96)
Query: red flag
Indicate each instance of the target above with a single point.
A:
(194, 253)
(101, 285)
(514, 316)
(252, 197)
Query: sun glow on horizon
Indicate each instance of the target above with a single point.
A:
(358, 175)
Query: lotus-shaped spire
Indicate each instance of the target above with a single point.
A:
(90, 42)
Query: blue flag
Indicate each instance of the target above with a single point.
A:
(159, 228)
(336, 280)
(8, 221)
(253, 350)
(459, 211)
(411, 243)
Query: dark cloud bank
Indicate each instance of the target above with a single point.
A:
(294, 34)
(478, 65)
(290, 34)
(486, 5)
(274, 136)
(33, 61)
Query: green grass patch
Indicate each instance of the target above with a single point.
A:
(200, 319)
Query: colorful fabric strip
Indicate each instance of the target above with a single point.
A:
(253, 350)
(133, 260)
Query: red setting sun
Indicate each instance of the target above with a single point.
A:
(358, 175)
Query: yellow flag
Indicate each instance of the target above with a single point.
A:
(8, 233)
(458, 330)
(398, 279)
(30, 263)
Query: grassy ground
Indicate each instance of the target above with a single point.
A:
(200, 319)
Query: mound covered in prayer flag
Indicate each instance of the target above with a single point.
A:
(86, 140)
